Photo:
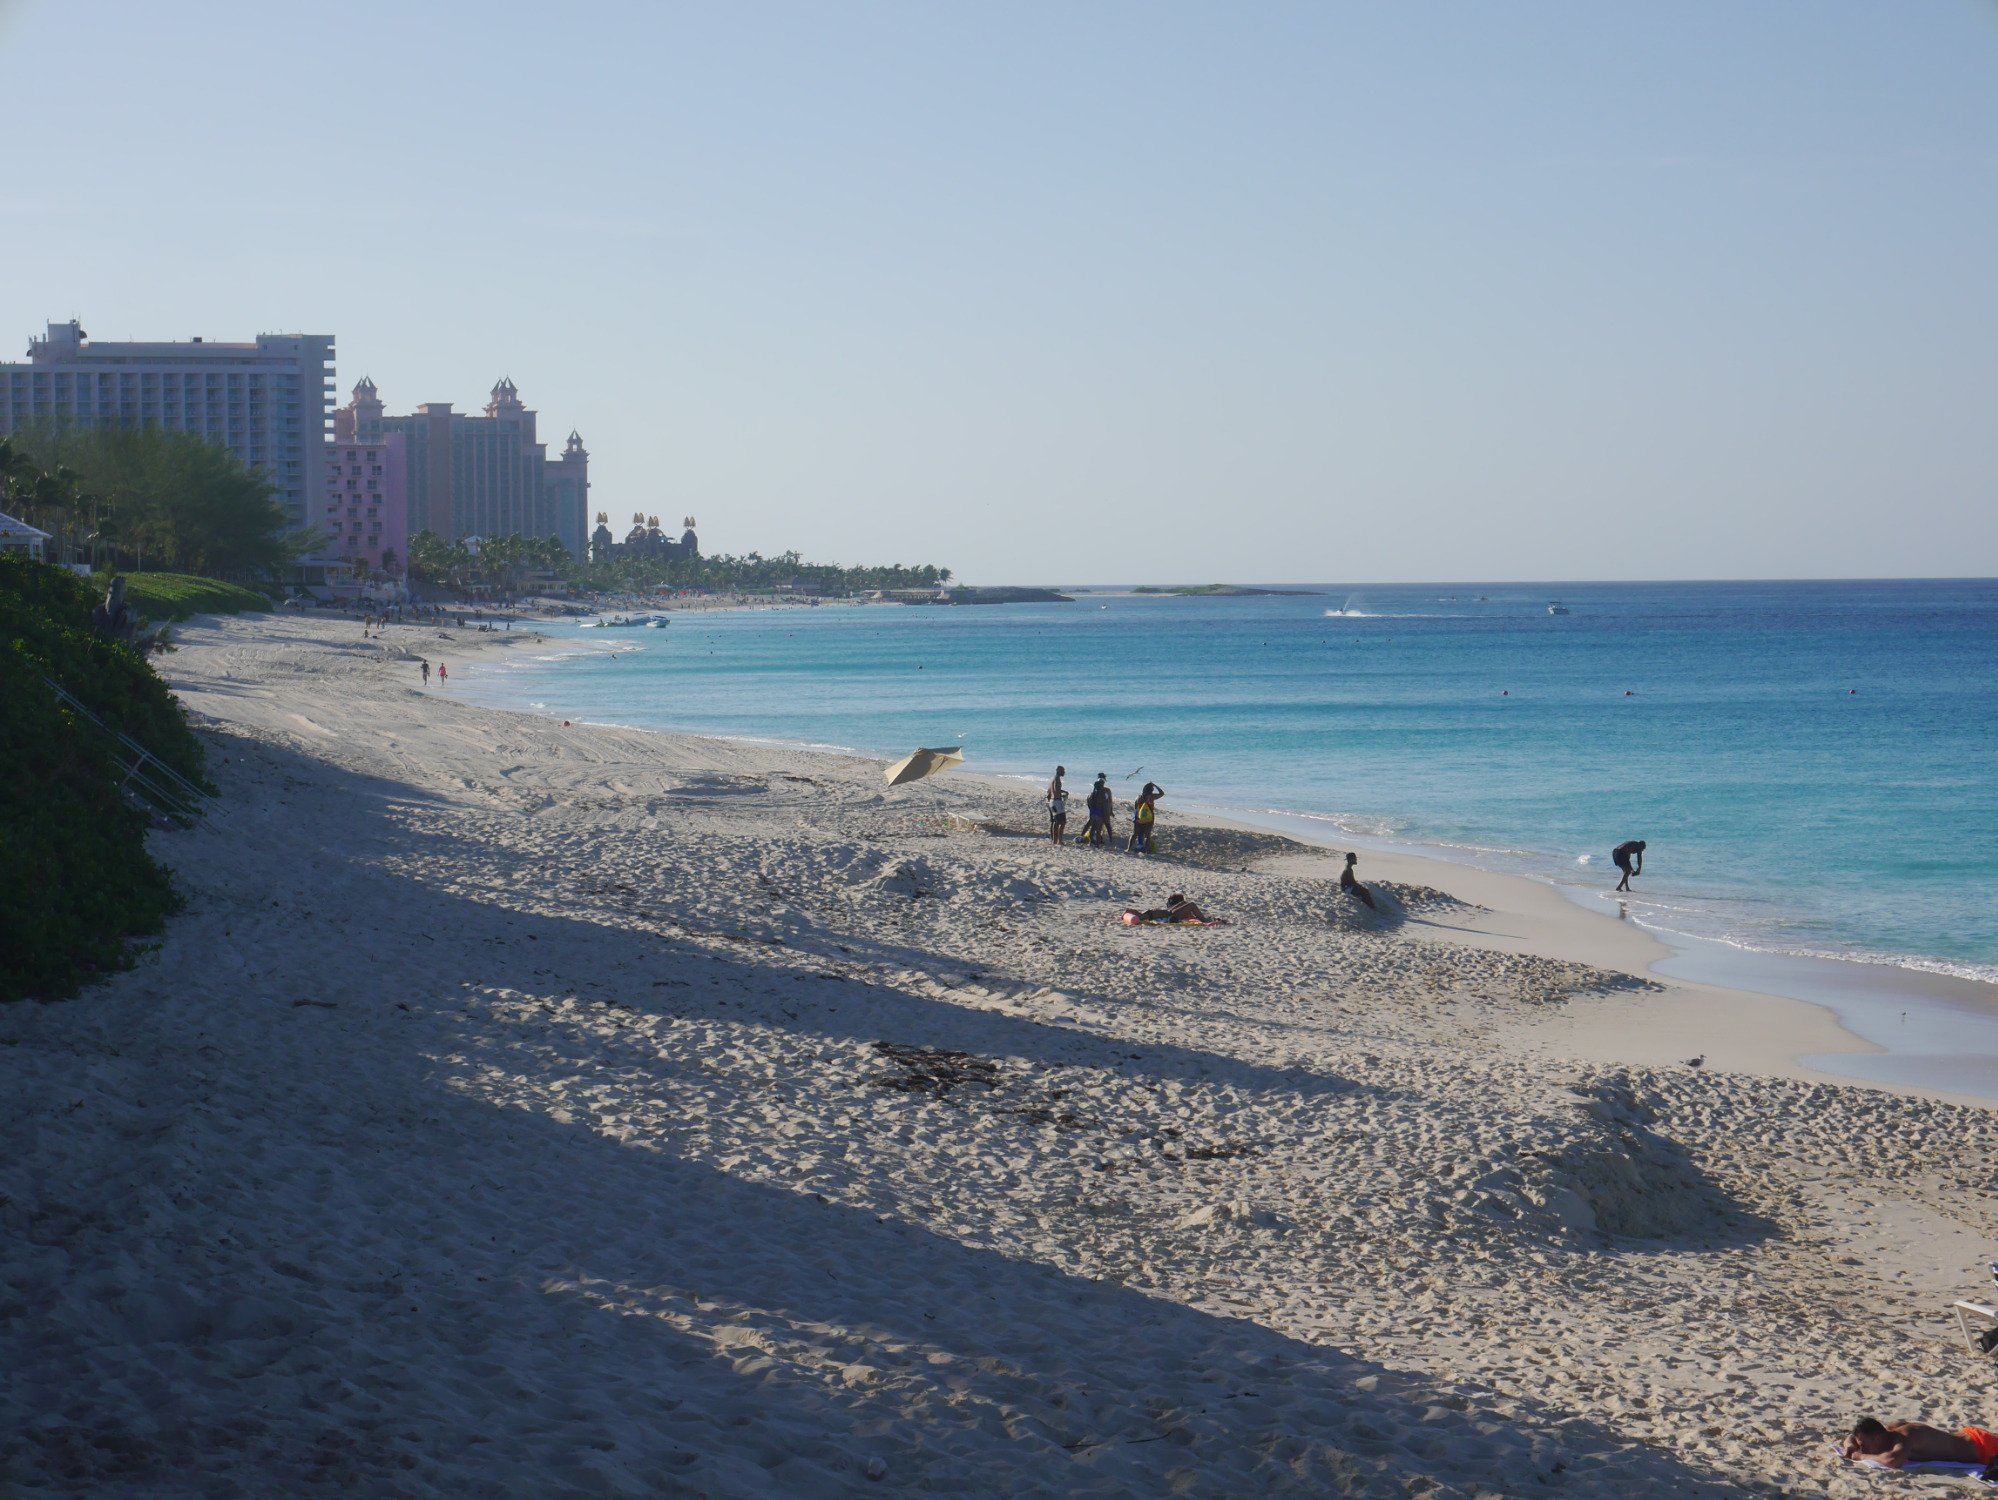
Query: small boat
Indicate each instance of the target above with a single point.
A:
(1557, 608)
(626, 622)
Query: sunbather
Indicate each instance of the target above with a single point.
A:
(1176, 909)
(1894, 1445)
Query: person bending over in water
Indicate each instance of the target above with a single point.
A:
(1350, 883)
(1629, 857)
(1895, 1445)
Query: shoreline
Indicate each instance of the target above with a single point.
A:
(1866, 1003)
(1870, 1001)
(1541, 865)
(838, 1139)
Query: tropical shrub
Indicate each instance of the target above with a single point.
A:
(139, 496)
(79, 883)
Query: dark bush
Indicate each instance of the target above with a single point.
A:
(79, 884)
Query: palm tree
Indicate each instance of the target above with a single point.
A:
(51, 502)
(17, 470)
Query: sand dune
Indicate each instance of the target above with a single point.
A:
(530, 1110)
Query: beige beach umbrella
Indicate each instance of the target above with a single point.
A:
(921, 763)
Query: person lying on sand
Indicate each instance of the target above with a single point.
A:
(1894, 1445)
(1176, 909)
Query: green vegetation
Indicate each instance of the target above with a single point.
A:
(501, 560)
(755, 573)
(1008, 595)
(126, 497)
(175, 596)
(81, 884)
(504, 561)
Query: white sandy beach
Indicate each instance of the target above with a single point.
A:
(530, 1110)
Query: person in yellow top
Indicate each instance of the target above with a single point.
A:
(1142, 814)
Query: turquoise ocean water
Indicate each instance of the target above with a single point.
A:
(1814, 765)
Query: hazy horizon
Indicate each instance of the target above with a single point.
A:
(1543, 293)
(1501, 583)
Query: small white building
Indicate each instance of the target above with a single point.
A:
(19, 536)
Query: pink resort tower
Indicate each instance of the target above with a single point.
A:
(365, 511)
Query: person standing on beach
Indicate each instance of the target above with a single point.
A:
(1143, 813)
(1057, 797)
(1629, 857)
(426, 672)
(1098, 803)
(1350, 883)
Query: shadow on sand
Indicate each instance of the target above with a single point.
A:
(478, 1291)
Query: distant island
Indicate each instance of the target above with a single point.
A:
(1220, 590)
(1005, 595)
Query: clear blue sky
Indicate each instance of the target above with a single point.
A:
(1103, 292)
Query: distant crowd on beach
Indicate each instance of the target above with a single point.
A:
(1101, 805)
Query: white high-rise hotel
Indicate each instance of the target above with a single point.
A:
(270, 403)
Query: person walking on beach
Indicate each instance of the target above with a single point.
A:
(1629, 857)
(426, 672)
(1350, 883)
(1143, 813)
(442, 675)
